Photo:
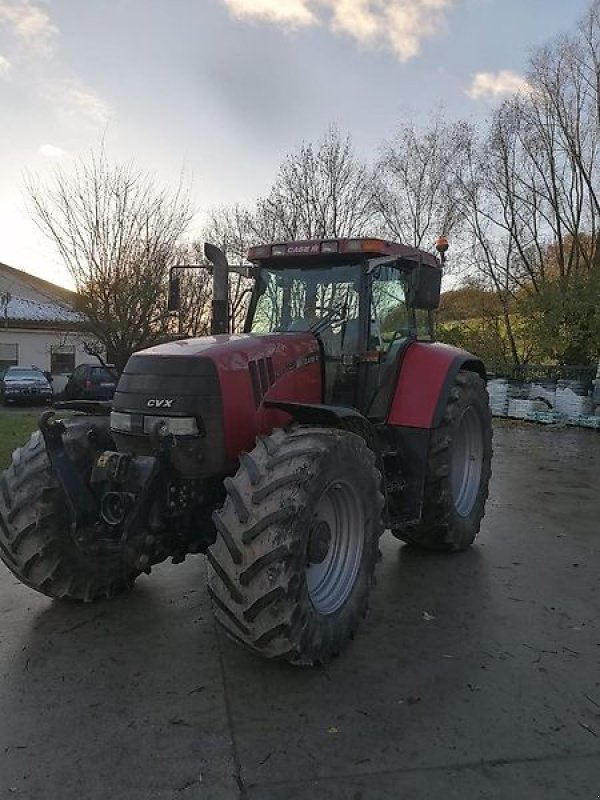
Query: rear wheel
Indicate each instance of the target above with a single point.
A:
(36, 542)
(297, 544)
(458, 471)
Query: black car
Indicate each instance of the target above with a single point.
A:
(91, 382)
(25, 385)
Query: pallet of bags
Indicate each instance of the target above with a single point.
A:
(573, 400)
(546, 417)
(519, 404)
(590, 421)
(498, 394)
(544, 390)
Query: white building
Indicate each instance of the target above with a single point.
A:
(39, 327)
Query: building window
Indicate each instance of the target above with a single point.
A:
(9, 357)
(62, 360)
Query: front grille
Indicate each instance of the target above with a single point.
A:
(173, 387)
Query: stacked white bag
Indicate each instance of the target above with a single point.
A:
(498, 392)
(573, 400)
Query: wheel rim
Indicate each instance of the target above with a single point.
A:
(467, 461)
(335, 547)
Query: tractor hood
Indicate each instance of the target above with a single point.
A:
(238, 344)
(221, 382)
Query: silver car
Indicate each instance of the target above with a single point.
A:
(25, 385)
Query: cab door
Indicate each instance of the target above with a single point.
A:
(391, 327)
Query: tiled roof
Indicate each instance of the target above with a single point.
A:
(20, 309)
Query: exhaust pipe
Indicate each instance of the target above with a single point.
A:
(220, 302)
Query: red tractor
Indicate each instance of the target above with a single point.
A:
(282, 453)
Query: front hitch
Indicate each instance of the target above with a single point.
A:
(82, 503)
(120, 498)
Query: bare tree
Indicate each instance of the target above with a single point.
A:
(531, 204)
(117, 235)
(488, 248)
(417, 197)
(322, 190)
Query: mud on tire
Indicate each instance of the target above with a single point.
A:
(458, 471)
(285, 579)
(35, 537)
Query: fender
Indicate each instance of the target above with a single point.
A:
(426, 376)
(319, 414)
(332, 417)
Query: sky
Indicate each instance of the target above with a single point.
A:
(221, 90)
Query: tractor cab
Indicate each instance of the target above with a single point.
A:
(364, 299)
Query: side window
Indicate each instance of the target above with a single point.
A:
(78, 374)
(390, 317)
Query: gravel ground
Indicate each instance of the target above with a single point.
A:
(475, 675)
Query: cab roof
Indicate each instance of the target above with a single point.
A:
(367, 247)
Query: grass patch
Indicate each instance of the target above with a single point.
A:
(15, 429)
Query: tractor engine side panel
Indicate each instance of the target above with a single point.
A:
(424, 381)
(272, 367)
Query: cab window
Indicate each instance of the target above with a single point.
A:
(390, 318)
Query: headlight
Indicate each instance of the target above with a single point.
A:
(178, 426)
(132, 423)
(121, 422)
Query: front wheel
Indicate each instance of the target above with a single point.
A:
(458, 471)
(36, 542)
(297, 543)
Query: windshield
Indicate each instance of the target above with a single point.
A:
(24, 373)
(101, 374)
(305, 299)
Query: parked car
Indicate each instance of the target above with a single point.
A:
(91, 382)
(25, 385)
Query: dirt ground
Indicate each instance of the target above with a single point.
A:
(475, 675)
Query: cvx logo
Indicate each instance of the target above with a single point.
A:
(156, 402)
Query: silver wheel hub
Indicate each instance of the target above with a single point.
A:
(466, 463)
(335, 547)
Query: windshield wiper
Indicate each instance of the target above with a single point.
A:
(336, 314)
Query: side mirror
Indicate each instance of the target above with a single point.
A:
(174, 300)
(424, 286)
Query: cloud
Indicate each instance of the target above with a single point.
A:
(30, 24)
(356, 18)
(50, 151)
(69, 97)
(76, 98)
(290, 13)
(492, 85)
(5, 67)
(400, 25)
